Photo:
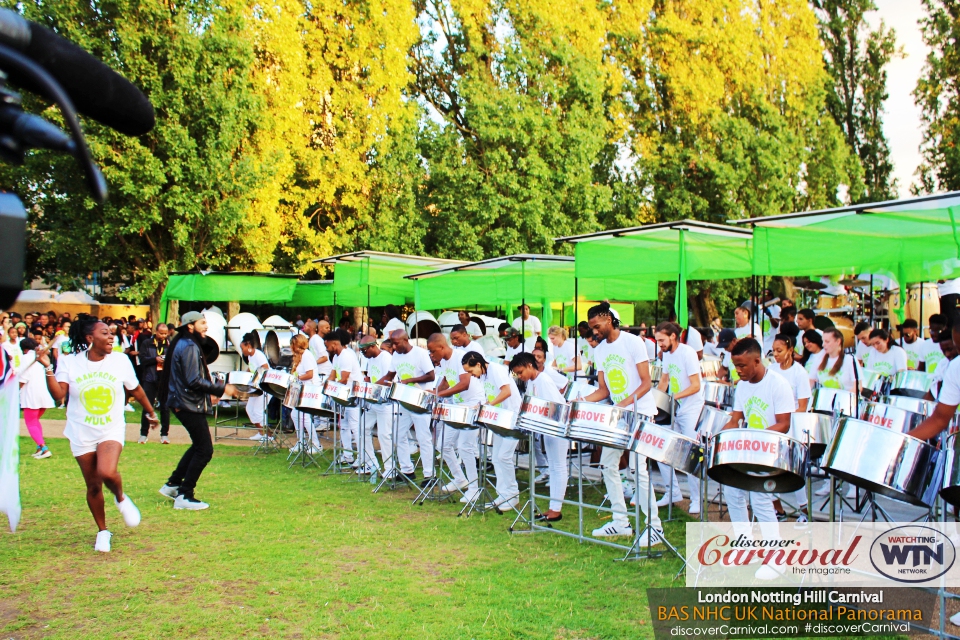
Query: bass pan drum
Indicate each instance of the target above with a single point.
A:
(884, 461)
(499, 420)
(669, 447)
(812, 429)
(313, 401)
(757, 460)
(711, 421)
(663, 402)
(216, 329)
(911, 383)
(240, 325)
(834, 401)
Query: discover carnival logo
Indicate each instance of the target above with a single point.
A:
(912, 554)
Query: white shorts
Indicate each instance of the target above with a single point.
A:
(89, 442)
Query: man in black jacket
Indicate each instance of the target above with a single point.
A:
(186, 387)
(152, 351)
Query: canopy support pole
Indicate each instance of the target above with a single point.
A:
(873, 303)
(576, 321)
(920, 319)
(523, 303)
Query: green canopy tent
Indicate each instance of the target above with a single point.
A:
(227, 286)
(312, 293)
(670, 251)
(375, 279)
(521, 278)
(915, 240)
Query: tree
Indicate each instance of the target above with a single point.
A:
(856, 59)
(938, 95)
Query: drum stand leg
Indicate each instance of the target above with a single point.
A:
(530, 506)
(393, 478)
(336, 466)
(304, 448)
(636, 551)
(431, 490)
(360, 453)
(483, 496)
(265, 444)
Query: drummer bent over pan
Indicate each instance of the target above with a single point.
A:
(763, 400)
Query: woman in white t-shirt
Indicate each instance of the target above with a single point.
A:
(565, 358)
(812, 343)
(835, 369)
(97, 381)
(35, 398)
(499, 390)
(256, 404)
(305, 367)
(784, 353)
(885, 357)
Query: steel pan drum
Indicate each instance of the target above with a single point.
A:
(276, 381)
(578, 389)
(543, 416)
(499, 420)
(711, 421)
(911, 383)
(669, 447)
(884, 461)
(458, 416)
(246, 381)
(292, 398)
(896, 418)
(339, 393)
(717, 394)
(663, 402)
(314, 401)
(951, 473)
(812, 429)
(757, 460)
(656, 371)
(412, 398)
(602, 424)
(872, 382)
(917, 405)
(710, 370)
(831, 401)
(370, 391)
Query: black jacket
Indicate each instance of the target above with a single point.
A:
(190, 386)
(148, 358)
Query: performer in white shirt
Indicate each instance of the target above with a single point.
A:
(391, 320)
(885, 356)
(305, 368)
(346, 369)
(315, 332)
(460, 338)
(744, 328)
(565, 358)
(529, 326)
(256, 407)
(473, 329)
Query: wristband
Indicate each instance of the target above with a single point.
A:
(48, 368)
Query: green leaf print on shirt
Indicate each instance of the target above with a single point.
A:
(97, 399)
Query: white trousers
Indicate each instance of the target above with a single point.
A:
(303, 423)
(641, 495)
(421, 425)
(762, 504)
(685, 424)
(366, 453)
(350, 431)
(255, 408)
(610, 468)
(465, 443)
(505, 467)
(557, 449)
(387, 419)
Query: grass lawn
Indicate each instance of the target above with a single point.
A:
(289, 553)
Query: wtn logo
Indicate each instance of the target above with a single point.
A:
(912, 553)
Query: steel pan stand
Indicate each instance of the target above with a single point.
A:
(431, 490)
(530, 506)
(636, 551)
(336, 467)
(673, 473)
(265, 444)
(483, 496)
(392, 479)
(304, 453)
(361, 442)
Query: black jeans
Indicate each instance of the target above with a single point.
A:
(151, 388)
(195, 458)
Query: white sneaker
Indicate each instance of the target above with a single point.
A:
(103, 542)
(955, 619)
(851, 493)
(129, 511)
(694, 507)
(129, 409)
(169, 492)
(43, 453)
(164, 440)
(452, 486)
(613, 529)
(665, 500)
(543, 477)
(642, 540)
(470, 496)
(256, 436)
(824, 490)
(315, 449)
(190, 504)
(142, 440)
(343, 459)
(768, 572)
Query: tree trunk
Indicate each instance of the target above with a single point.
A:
(173, 313)
(233, 308)
(704, 308)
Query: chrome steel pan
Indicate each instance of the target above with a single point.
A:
(710, 370)
(276, 381)
(663, 402)
(669, 447)
(911, 383)
(369, 391)
(656, 371)
(711, 421)
(314, 401)
(543, 416)
(757, 460)
(951, 472)
(891, 417)
(812, 429)
(717, 394)
(499, 420)
(578, 389)
(884, 461)
(412, 398)
(602, 424)
(831, 401)
(292, 397)
(917, 405)
(245, 381)
(458, 416)
(871, 382)
(339, 393)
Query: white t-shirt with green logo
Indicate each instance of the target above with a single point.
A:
(680, 365)
(915, 353)
(889, 363)
(347, 362)
(798, 379)
(563, 356)
(97, 397)
(744, 332)
(531, 326)
(761, 402)
(451, 370)
(618, 362)
(412, 364)
(379, 366)
(494, 380)
(845, 379)
(932, 355)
